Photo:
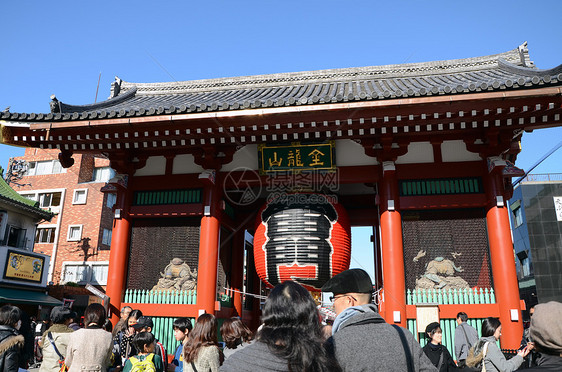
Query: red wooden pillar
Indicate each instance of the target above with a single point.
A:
(208, 250)
(503, 263)
(394, 281)
(119, 254)
(237, 277)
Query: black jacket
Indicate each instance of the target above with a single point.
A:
(547, 363)
(434, 354)
(11, 344)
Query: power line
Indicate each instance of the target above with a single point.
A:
(543, 158)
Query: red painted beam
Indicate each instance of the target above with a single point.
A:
(443, 201)
(168, 210)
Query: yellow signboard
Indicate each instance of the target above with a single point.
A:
(22, 266)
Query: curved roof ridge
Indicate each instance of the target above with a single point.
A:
(518, 56)
(512, 68)
(67, 108)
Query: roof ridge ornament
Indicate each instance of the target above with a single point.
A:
(115, 87)
(524, 55)
(54, 104)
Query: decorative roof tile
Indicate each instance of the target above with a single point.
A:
(508, 70)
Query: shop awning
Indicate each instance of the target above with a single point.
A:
(21, 296)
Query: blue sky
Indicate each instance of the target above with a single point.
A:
(61, 47)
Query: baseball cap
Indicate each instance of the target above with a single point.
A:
(142, 322)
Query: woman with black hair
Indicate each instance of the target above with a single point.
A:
(492, 356)
(290, 338)
(435, 351)
(89, 349)
(11, 342)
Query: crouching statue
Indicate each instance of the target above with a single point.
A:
(178, 276)
(440, 273)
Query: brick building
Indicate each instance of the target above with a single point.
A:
(79, 235)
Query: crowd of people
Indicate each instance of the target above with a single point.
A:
(290, 338)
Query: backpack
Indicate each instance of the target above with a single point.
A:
(146, 365)
(476, 360)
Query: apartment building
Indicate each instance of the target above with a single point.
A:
(78, 237)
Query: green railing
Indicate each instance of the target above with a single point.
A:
(163, 326)
(451, 296)
(143, 296)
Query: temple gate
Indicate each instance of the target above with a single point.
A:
(423, 152)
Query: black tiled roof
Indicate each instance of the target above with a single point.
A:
(505, 71)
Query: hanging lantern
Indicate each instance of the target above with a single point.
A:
(302, 237)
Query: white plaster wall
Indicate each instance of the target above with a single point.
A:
(453, 151)
(349, 152)
(185, 164)
(418, 152)
(155, 166)
(246, 157)
(22, 221)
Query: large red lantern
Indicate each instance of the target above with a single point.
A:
(302, 237)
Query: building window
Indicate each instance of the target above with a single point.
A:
(85, 272)
(106, 237)
(111, 200)
(80, 196)
(74, 233)
(51, 199)
(524, 264)
(518, 216)
(15, 237)
(103, 174)
(558, 207)
(45, 235)
(37, 168)
(29, 196)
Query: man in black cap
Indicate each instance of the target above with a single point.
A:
(145, 324)
(361, 339)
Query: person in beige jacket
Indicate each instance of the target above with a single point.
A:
(61, 317)
(90, 349)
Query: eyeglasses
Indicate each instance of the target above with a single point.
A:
(334, 298)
